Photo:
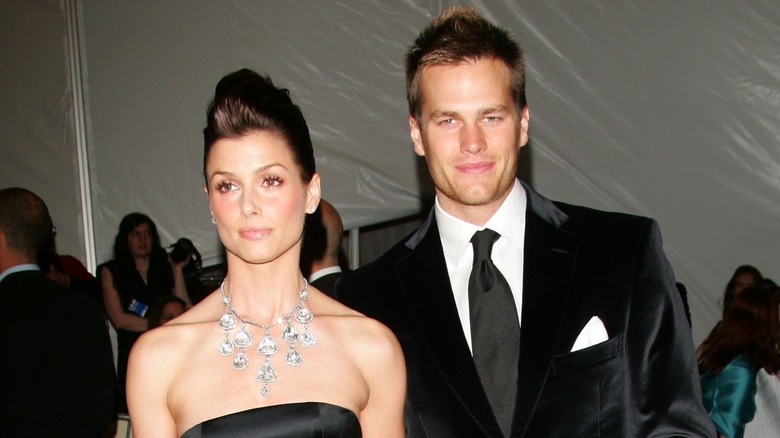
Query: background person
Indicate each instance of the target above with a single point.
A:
(67, 270)
(139, 273)
(321, 255)
(744, 341)
(164, 309)
(56, 369)
(743, 277)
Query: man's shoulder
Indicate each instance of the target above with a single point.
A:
(385, 261)
(48, 296)
(582, 217)
(375, 276)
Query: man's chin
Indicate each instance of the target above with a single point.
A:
(477, 196)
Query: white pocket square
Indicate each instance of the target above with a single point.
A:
(593, 333)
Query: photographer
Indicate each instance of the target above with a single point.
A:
(140, 272)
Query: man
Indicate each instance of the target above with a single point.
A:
(570, 325)
(321, 252)
(57, 369)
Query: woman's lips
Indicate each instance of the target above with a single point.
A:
(253, 233)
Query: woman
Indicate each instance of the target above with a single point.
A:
(164, 309)
(743, 277)
(139, 273)
(265, 354)
(744, 341)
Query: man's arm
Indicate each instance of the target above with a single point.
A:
(663, 376)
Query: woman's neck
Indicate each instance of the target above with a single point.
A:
(262, 292)
(141, 263)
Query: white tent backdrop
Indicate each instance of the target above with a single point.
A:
(666, 109)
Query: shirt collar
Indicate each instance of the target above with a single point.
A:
(19, 268)
(456, 234)
(323, 272)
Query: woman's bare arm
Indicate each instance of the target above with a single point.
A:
(148, 377)
(119, 319)
(385, 373)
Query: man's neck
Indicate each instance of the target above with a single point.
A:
(474, 214)
(322, 264)
(9, 259)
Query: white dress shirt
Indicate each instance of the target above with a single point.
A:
(323, 272)
(507, 254)
(19, 268)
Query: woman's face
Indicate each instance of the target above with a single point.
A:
(257, 196)
(140, 241)
(744, 280)
(170, 310)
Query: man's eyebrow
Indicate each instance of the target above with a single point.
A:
(493, 109)
(443, 113)
(481, 112)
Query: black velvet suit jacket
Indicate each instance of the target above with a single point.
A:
(579, 263)
(56, 372)
(327, 283)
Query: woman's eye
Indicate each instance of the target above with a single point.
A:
(271, 181)
(225, 186)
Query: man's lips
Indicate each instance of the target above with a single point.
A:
(482, 166)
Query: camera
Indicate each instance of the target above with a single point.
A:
(183, 250)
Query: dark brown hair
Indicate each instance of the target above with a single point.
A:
(457, 35)
(730, 292)
(156, 309)
(246, 102)
(750, 327)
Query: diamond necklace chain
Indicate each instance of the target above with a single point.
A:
(267, 346)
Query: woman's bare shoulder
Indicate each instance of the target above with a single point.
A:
(365, 335)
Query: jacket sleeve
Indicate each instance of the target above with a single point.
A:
(663, 375)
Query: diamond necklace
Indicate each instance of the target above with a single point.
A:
(267, 346)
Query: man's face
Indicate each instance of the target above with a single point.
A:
(469, 132)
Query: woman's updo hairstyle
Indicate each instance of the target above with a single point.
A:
(246, 102)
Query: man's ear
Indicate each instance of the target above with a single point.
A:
(525, 118)
(414, 132)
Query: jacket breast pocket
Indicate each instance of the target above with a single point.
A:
(587, 357)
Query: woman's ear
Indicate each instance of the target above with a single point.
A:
(313, 194)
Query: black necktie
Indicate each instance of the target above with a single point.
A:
(495, 330)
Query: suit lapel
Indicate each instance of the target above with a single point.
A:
(426, 286)
(549, 258)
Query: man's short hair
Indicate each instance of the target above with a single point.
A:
(24, 220)
(461, 34)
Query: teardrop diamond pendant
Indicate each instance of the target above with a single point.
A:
(267, 345)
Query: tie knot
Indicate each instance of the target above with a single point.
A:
(483, 244)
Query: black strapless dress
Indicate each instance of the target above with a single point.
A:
(294, 420)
